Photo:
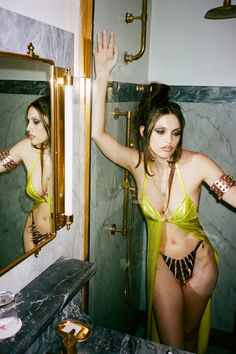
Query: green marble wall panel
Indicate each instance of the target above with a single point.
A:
(108, 306)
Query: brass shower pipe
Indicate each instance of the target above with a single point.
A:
(128, 19)
(126, 183)
(127, 229)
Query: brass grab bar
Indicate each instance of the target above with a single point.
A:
(128, 19)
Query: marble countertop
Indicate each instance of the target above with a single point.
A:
(40, 304)
(44, 298)
(109, 341)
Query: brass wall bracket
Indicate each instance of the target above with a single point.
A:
(113, 229)
(129, 19)
(31, 51)
(62, 220)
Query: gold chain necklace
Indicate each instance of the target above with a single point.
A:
(163, 193)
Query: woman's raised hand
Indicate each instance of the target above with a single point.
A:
(105, 55)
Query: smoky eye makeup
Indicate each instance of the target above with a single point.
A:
(177, 132)
(159, 130)
(36, 121)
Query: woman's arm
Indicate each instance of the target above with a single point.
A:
(14, 156)
(211, 174)
(105, 59)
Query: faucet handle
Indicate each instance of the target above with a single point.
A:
(72, 332)
(68, 342)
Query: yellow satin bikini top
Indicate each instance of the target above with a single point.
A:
(38, 200)
(185, 215)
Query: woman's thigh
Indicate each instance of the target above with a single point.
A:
(168, 306)
(197, 291)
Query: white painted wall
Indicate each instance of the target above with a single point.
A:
(186, 49)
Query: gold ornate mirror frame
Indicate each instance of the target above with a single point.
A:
(57, 81)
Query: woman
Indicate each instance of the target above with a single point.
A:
(181, 263)
(35, 153)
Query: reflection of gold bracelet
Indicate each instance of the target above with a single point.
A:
(6, 160)
(222, 185)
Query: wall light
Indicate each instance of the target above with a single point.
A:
(68, 147)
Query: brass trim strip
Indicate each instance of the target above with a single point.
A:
(86, 7)
(26, 57)
(86, 15)
(59, 148)
(34, 251)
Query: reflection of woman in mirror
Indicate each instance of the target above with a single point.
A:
(35, 153)
(181, 263)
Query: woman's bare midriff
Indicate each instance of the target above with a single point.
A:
(42, 220)
(42, 217)
(176, 243)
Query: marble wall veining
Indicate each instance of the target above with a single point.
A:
(49, 41)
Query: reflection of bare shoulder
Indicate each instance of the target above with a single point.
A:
(21, 150)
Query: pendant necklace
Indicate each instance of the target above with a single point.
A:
(163, 193)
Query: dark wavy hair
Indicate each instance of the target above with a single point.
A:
(154, 104)
(43, 107)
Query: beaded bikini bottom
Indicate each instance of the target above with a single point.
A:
(182, 268)
(38, 236)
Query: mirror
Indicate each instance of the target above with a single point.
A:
(31, 104)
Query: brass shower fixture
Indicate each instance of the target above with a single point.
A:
(128, 19)
(223, 12)
(127, 229)
(126, 182)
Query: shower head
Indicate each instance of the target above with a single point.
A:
(222, 12)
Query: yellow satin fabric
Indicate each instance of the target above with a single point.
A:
(186, 218)
(31, 190)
